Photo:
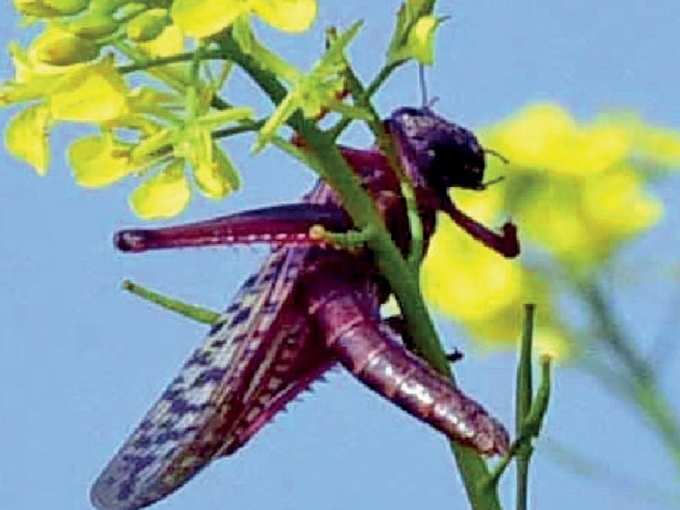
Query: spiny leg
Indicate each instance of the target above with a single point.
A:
(368, 349)
(284, 224)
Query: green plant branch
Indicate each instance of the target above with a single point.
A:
(387, 147)
(243, 127)
(644, 390)
(371, 89)
(170, 76)
(601, 471)
(147, 64)
(612, 334)
(523, 398)
(193, 312)
(389, 260)
(529, 413)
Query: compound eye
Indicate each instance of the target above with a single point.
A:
(454, 165)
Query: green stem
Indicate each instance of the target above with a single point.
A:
(171, 59)
(528, 428)
(173, 78)
(644, 391)
(392, 265)
(371, 89)
(245, 127)
(659, 411)
(596, 469)
(612, 334)
(386, 144)
(523, 398)
(193, 312)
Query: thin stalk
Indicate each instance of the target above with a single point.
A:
(612, 333)
(389, 260)
(523, 398)
(171, 59)
(245, 127)
(644, 392)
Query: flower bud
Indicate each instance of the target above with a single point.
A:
(148, 25)
(50, 8)
(93, 26)
(61, 48)
(67, 7)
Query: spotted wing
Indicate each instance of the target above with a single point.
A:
(196, 414)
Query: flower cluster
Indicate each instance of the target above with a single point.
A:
(577, 192)
(162, 135)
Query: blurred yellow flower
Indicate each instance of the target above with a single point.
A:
(577, 191)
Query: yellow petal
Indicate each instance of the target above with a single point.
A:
(164, 195)
(219, 178)
(98, 161)
(660, 145)
(617, 205)
(169, 42)
(148, 25)
(95, 93)
(287, 15)
(203, 18)
(26, 137)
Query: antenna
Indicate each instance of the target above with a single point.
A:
(423, 86)
(496, 154)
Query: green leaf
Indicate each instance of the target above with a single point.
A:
(314, 91)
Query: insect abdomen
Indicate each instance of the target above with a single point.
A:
(371, 352)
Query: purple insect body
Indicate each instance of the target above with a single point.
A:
(306, 309)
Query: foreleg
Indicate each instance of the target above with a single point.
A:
(505, 243)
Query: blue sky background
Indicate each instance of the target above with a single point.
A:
(80, 361)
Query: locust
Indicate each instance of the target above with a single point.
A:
(310, 306)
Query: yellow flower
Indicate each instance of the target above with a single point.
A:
(93, 93)
(578, 191)
(203, 18)
(98, 161)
